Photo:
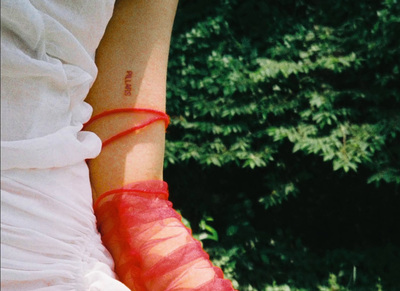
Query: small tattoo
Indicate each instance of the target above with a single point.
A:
(128, 83)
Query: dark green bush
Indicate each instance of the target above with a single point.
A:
(284, 139)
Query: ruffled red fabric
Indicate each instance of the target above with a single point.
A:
(152, 249)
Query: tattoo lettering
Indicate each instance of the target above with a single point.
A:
(128, 83)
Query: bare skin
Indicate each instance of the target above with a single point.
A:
(132, 60)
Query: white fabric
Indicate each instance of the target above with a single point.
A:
(49, 239)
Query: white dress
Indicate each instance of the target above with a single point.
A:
(49, 239)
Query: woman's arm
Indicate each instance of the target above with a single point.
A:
(151, 247)
(132, 62)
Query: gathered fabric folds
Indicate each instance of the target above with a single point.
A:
(152, 249)
(49, 239)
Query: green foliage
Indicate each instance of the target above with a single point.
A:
(328, 86)
(285, 96)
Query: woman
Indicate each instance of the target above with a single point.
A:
(49, 234)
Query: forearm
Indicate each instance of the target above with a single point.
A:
(132, 61)
(152, 249)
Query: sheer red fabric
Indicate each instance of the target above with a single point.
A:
(152, 249)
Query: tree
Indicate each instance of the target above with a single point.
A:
(280, 93)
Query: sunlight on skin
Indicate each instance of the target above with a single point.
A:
(132, 61)
(134, 51)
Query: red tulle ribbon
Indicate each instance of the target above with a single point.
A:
(154, 115)
(152, 249)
